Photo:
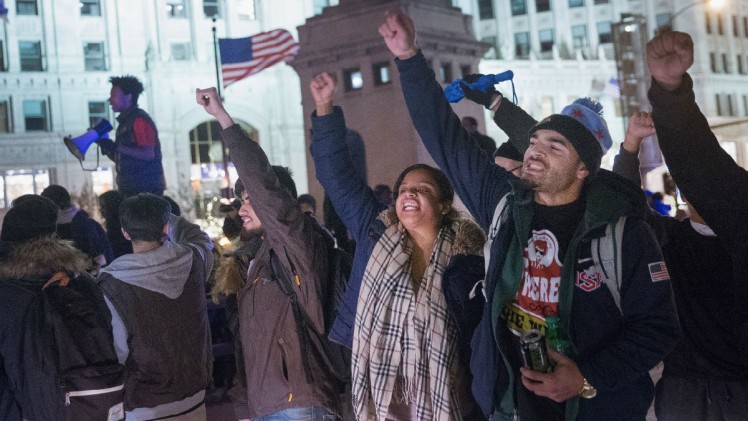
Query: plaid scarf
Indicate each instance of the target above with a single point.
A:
(404, 336)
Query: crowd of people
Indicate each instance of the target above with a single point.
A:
(432, 318)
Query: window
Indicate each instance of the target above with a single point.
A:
(31, 56)
(96, 111)
(246, 9)
(485, 9)
(602, 1)
(5, 117)
(713, 62)
(17, 182)
(662, 20)
(546, 40)
(708, 19)
(176, 8)
(465, 70)
(719, 104)
(26, 7)
(35, 115)
(542, 5)
(211, 8)
(745, 26)
(579, 36)
(720, 24)
(576, 3)
(181, 51)
(745, 106)
(519, 7)
(382, 74)
(491, 52)
(739, 62)
(354, 80)
(93, 52)
(3, 66)
(604, 32)
(90, 7)
(730, 109)
(522, 45)
(735, 30)
(546, 105)
(445, 72)
(725, 64)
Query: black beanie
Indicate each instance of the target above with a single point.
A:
(507, 150)
(31, 217)
(584, 142)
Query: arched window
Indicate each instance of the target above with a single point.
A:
(208, 170)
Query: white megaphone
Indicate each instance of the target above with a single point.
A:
(79, 145)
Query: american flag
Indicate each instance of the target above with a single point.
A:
(658, 271)
(242, 57)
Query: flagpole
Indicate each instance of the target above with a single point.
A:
(220, 95)
(217, 61)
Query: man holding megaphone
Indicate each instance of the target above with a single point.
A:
(136, 150)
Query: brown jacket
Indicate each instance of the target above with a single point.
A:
(273, 360)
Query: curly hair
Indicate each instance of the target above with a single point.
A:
(129, 84)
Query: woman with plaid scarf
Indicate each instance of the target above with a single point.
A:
(407, 314)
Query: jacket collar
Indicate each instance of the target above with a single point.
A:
(39, 258)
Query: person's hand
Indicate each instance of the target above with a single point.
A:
(399, 34)
(563, 383)
(322, 88)
(640, 126)
(107, 146)
(669, 55)
(484, 98)
(211, 102)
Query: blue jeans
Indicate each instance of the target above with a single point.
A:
(312, 413)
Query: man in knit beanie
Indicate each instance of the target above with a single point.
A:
(566, 241)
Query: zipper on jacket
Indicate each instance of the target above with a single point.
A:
(293, 268)
(92, 392)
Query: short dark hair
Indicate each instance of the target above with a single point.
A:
(109, 203)
(57, 194)
(129, 84)
(175, 209)
(308, 199)
(444, 187)
(284, 177)
(143, 216)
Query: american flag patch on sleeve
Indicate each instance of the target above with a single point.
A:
(658, 271)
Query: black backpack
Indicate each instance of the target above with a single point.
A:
(68, 337)
(339, 357)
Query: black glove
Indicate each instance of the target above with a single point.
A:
(475, 95)
(107, 146)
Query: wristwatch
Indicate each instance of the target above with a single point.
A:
(587, 391)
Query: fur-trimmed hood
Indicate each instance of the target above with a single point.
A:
(469, 237)
(39, 258)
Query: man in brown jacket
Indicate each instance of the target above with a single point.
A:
(288, 371)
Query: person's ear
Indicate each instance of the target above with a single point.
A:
(127, 236)
(166, 229)
(582, 171)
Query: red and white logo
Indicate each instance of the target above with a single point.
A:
(538, 291)
(589, 280)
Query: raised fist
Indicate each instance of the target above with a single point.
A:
(323, 87)
(399, 34)
(669, 55)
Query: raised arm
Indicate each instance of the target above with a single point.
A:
(715, 185)
(295, 237)
(353, 200)
(479, 183)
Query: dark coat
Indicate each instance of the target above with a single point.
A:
(24, 269)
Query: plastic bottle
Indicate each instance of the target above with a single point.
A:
(555, 337)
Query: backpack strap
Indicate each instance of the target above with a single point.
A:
(499, 217)
(608, 259)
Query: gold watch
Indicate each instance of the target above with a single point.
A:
(587, 391)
